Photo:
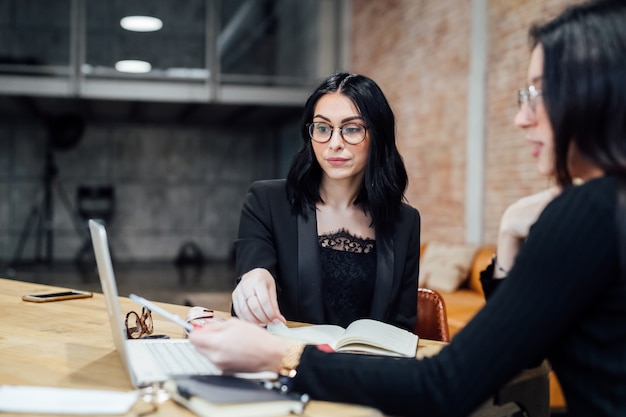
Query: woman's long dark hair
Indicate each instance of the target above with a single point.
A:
(385, 179)
(584, 83)
(584, 91)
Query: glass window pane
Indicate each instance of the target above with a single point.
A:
(35, 34)
(273, 43)
(178, 45)
(273, 40)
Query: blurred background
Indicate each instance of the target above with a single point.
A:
(163, 152)
(163, 148)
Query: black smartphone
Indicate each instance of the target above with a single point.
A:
(57, 296)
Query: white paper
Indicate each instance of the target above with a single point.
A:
(27, 399)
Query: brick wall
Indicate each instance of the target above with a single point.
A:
(419, 53)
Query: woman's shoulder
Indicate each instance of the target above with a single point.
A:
(268, 194)
(601, 190)
(273, 186)
(596, 197)
(408, 220)
(408, 210)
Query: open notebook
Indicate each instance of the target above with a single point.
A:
(147, 361)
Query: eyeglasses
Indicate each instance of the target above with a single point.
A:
(137, 326)
(528, 95)
(352, 133)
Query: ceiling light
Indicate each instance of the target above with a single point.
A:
(133, 65)
(141, 23)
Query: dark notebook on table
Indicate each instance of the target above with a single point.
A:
(228, 396)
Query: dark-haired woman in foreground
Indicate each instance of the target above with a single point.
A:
(334, 242)
(565, 296)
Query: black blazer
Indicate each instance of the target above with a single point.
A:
(271, 236)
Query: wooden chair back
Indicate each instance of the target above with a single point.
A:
(432, 320)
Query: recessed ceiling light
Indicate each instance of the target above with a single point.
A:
(133, 65)
(141, 23)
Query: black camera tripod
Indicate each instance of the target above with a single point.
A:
(41, 217)
(64, 132)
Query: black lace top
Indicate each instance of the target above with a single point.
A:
(349, 274)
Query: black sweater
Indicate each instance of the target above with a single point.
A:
(564, 300)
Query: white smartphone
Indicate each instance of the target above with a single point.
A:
(57, 296)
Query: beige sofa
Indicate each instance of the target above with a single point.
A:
(468, 297)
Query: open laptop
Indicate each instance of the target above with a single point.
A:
(147, 361)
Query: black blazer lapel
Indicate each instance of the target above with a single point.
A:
(310, 304)
(384, 278)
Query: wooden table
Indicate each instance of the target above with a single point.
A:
(69, 344)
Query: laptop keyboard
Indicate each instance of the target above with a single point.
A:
(181, 359)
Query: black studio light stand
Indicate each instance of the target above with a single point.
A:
(64, 132)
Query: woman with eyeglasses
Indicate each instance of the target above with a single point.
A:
(334, 242)
(564, 298)
(521, 215)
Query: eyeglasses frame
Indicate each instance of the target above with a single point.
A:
(528, 95)
(146, 325)
(333, 129)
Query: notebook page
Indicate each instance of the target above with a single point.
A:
(376, 333)
(315, 334)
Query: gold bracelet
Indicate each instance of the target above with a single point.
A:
(291, 359)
